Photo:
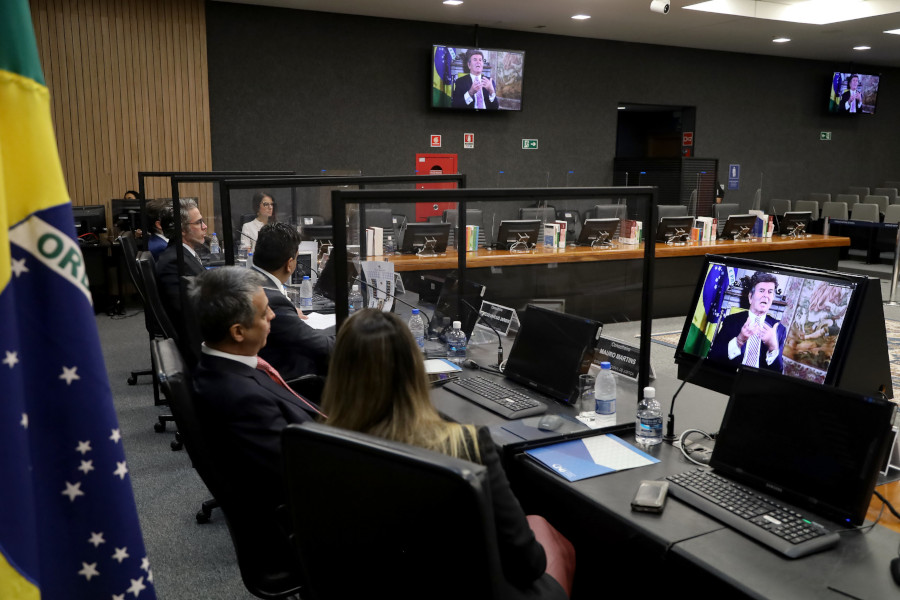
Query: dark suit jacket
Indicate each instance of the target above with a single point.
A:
(293, 347)
(167, 278)
(461, 86)
(156, 245)
(731, 327)
(845, 98)
(521, 556)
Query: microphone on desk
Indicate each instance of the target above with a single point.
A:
(499, 340)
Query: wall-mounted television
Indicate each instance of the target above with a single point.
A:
(477, 78)
(853, 93)
(821, 326)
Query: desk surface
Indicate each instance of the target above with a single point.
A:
(574, 254)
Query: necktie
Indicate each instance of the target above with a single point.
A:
(479, 97)
(275, 376)
(751, 356)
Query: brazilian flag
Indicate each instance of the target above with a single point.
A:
(834, 105)
(704, 322)
(68, 522)
(442, 80)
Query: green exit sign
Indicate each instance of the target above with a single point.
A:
(825, 136)
(529, 144)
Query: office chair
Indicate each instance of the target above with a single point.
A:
(860, 190)
(780, 206)
(810, 205)
(609, 211)
(849, 199)
(260, 576)
(672, 210)
(820, 197)
(545, 214)
(573, 222)
(834, 210)
(245, 218)
(865, 212)
(722, 211)
(474, 216)
(881, 201)
(390, 520)
(129, 253)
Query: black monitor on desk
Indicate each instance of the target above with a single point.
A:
(738, 226)
(674, 229)
(518, 231)
(316, 233)
(598, 232)
(425, 238)
(89, 219)
(794, 223)
(126, 213)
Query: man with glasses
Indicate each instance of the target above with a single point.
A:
(193, 236)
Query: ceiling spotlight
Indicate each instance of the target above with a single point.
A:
(581, 17)
(862, 47)
(660, 6)
(893, 31)
(453, 2)
(781, 40)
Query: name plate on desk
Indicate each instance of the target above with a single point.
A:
(623, 358)
(503, 318)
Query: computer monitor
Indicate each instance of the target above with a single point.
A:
(126, 213)
(425, 237)
(89, 219)
(738, 225)
(525, 231)
(821, 326)
(794, 223)
(326, 283)
(675, 229)
(316, 233)
(446, 306)
(598, 232)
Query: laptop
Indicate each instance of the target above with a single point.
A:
(809, 453)
(550, 351)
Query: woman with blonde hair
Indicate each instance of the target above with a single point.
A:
(377, 385)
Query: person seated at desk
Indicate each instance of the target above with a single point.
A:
(294, 348)
(264, 207)
(158, 211)
(388, 396)
(242, 402)
(193, 235)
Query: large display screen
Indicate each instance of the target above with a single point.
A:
(853, 93)
(477, 78)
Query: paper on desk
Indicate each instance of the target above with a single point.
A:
(592, 456)
(440, 365)
(320, 321)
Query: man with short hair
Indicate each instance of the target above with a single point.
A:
(294, 348)
(753, 338)
(474, 90)
(158, 211)
(242, 402)
(193, 234)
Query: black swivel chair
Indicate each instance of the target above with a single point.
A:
(378, 519)
(610, 211)
(546, 214)
(573, 222)
(259, 577)
(129, 252)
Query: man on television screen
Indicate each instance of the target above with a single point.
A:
(752, 338)
(851, 100)
(475, 90)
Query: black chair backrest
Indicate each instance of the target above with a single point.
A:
(610, 211)
(152, 300)
(379, 519)
(545, 214)
(573, 222)
(245, 218)
(672, 210)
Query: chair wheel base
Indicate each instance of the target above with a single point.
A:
(176, 445)
(202, 517)
(159, 427)
(132, 380)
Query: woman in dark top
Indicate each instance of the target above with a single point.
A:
(378, 386)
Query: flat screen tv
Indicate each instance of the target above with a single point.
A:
(822, 326)
(477, 78)
(853, 93)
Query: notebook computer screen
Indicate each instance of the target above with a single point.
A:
(814, 446)
(549, 349)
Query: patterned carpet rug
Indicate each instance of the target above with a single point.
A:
(670, 340)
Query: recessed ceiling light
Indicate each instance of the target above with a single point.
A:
(581, 17)
(862, 47)
(453, 2)
(621, 107)
(894, 31)
(781, 40)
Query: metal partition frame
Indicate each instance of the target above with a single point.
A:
(645, 195)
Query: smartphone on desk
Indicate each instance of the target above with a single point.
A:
(650, 496)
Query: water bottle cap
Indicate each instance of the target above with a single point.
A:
(457, 325)
(649, 392)
(605, 365)
(415, 311)
(355, 288)
(305, 277)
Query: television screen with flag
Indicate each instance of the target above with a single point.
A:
(477, 78)
(787, 319)
(68, 521)
(853, 93)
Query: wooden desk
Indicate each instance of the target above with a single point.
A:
(891, 491)
(605, 284)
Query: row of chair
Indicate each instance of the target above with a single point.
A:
(781, 206)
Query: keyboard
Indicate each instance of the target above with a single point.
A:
(781, 527)
(507, 402)
(321, 304)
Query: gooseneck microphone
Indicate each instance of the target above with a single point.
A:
(486, 322)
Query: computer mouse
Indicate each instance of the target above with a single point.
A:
(550, 423)
(895, 570)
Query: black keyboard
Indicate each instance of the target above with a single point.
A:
(507, 402)
(780, 527)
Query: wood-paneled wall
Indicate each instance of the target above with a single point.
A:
(129, 91)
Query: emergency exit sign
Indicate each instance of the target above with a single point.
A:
(529, 144)
(825, 136)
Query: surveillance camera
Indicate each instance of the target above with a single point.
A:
(660, 6)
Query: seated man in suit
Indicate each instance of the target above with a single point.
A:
(158, 212)
(752, 338)
(193, 235)
(242, 402)
(474, 90)
(294, 348)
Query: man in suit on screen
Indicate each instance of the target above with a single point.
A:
(475, 90)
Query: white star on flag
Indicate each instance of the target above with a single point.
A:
(116, 436)
(145, 564)
(118, 597)
(89, 570)
(120, 554)
(18, 266)
(12, 358)
(96, 539)
(69, 375)
(150, 576)
(72, 491)
(24, 421)
(86, 466)
(83, 447)
(121, 469)
(137, 586)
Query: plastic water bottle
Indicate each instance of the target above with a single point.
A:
(355, 299)
(648, 425)
(389, 245)
(214, 248)
(417, 327)
(605, 391)
(249, 259)
(306, 292)
(456, 344)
